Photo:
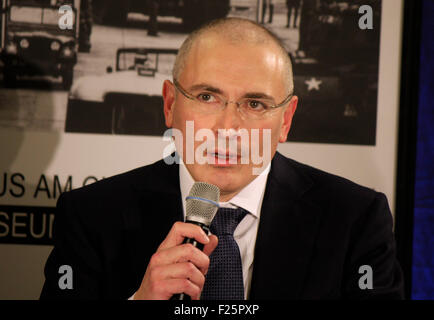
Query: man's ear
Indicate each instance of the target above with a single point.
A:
(287, 119)
(169, 102)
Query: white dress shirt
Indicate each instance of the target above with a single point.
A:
(249, 198)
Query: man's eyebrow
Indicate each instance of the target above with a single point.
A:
(258, 95)
(210, 88)
(206, 87)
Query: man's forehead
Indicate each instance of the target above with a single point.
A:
(247, 63)
(215, 49)
(212, 40)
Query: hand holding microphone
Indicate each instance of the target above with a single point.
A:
(178, 267)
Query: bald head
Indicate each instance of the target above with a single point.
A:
(238, 32)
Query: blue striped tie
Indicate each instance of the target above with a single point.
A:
(224, 280)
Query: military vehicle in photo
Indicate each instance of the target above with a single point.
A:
(336, 74)
(33, 43)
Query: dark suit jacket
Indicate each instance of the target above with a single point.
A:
(315, 231)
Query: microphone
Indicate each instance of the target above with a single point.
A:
(201, 207)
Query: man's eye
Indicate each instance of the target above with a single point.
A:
(257, 105)
(206, 97)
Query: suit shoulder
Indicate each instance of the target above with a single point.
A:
(117, 186)
(341, 200)
(332, 185)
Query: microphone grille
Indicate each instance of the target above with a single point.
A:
(202, 203)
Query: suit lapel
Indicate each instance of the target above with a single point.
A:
(286, 235)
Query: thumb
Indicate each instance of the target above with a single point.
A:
(211, 245)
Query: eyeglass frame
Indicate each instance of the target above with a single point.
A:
(190, 96)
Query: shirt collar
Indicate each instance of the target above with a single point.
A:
(247, 198)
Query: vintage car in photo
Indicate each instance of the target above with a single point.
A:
(126, 100)
(34, 44)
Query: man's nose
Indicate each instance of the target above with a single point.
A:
(229, 117)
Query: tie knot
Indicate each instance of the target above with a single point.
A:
(226, 220)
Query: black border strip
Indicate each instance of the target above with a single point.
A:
(407, 138)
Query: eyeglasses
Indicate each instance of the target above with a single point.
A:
(208, 102)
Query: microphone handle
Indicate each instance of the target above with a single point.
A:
(183, 296)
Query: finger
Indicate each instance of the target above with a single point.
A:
(211, 245)
(181, 230)
(182, 286)
(181, 253)
(183, 270)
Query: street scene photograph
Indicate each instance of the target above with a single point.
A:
(104, 73)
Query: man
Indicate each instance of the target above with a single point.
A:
(267, 5)
(307, 19)
(153, 15)
(86, 22)
(292, 5)
(304, 234)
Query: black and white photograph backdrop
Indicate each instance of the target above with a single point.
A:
(112, 83)
(80, 99)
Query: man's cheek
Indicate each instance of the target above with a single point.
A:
(261, 149)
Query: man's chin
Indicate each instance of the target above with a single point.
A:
(220, 174)
(229, 179)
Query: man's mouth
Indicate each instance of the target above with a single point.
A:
(224, 158)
